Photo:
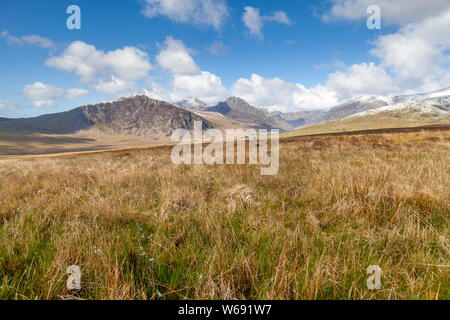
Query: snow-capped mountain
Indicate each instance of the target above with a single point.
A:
(136, 115)
(192, 104)
(435, 104)
(421, 96)
(354, 106)
(239, 109)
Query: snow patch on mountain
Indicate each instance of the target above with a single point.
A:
(192, 103)
(439, 105)
(421, 96)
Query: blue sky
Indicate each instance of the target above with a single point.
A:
(285, 54)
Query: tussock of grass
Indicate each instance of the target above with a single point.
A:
(142, 228)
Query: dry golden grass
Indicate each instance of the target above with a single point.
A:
(142, 228)
(25, 144)
(382, 120)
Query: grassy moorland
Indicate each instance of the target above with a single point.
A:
(142, 228)
(383, 120)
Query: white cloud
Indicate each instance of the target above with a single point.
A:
(204, 85)
(75, 93)
(218, 48)
(28, 40)
(109, 72)
(360, 79)
(175, 57)
(113, 85)
(254, 21)
(278, 16)
(46, 95)
(418, 53)
(157, 91)
(414, 58)
(187, 77)
(281, 95)
(201, 12)
(393, 12)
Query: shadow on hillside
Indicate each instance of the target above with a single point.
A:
(36, 144)
(38, 138)
(17, 151)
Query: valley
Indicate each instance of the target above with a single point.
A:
(139, 121)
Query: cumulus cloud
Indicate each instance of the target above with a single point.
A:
(414, 58)
(46, 95)
(418, 53)
(33, 39)
(207, 86)
(282, 95)
(393, 12)
(109, 72)
(176, 57)
(254, 21)
(361, 79)
(201, 12)
(218, 48)
(187, 77)
(279, 17)
(113, 85)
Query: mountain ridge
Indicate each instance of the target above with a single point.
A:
(239, 109)
(135, 115)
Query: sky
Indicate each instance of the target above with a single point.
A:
(284, 54)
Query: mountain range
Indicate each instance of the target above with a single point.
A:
(133, 115)
(392, 112)
(142, 116)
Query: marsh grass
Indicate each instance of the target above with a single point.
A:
(142, 228)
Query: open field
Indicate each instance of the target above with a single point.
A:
(36, 144)
(142, 228)
(384, 120)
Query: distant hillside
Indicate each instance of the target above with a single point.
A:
(429, 111)
(294, 120)
(239, 109)
(352, 107)
(136, 115)
(58, 123)
(192, 104)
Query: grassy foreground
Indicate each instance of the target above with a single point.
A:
(142, 228)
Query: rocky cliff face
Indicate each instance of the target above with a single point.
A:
(136, 115)
(239, 109)
(141, 115)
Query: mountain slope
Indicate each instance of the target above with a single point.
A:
(141, 116)
(293, 120)
(192, 104)
(135, 115)
(239, 109)
(353, 106)
(421, 96)
(429, 111)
